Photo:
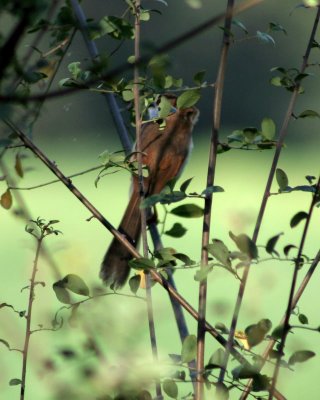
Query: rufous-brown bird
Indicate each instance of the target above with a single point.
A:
(164, 153)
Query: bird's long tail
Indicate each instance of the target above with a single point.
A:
(114, 268)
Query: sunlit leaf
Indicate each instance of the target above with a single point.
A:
(188, 211)
(282, 179)
(188, 98)
(220, 251)
(268, 128)
(170, 388)
(189, 349)
(75, 284)
(301, 356)
(245, 244)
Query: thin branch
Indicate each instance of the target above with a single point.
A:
(55, 180)
(28, 317)
(286, 326)
(143, 214)
(95, 213)
(143, 59)
(217, 106)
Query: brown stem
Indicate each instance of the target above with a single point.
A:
(286, 326)
(217, 106)
(28, 317)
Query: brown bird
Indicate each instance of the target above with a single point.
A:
(164, 153)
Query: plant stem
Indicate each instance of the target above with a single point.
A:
(28, 317)
(286, 326)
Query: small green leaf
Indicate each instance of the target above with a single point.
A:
(265, 37)
(300, 356)
(268, 128)
(245, 371)
(188, 211)
(211, 189)
(18, 166)
(74, 69)
(240, 25)
(4, 342)
(217, 359)
(194, 3)
(164, 108)
(245, 244)
(170, 388)
(303, 319)
(277, 333)
(256, 332)
(276, 81)
(260, 382)
(287, 249)
(271, 244)
(222, 392)
(134, 283)
(220, 251)
(75, 284)
(188, 98)
(297, 218)
(282, 179)
(309, 114)
(274, 26)
(189, 349)
(141, 263)
(176, 231)
(198, 77)
(202, 273)
(185, 185)
(144, 15)
(15, 382)
(62, 294)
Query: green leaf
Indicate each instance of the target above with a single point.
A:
(300, 356)
(75, 284)
(144, 15)
(282, 179)
(260, 382)
(220, 251)
(256, 332)
(15, 382)
(276, 81)
(62, 294)
(303, 319)
(211, 189)
(268, 128)
(184, 258)
(188, 98)
(287, 248)
(196, 4)
(189, 349)
(202, 273)
(245, 244)
(217, 359)
(117, 28)
(188, 211)
(74, 69)
(240, 25)
(141, 263)
(274, 26)
(134, 283)
(297, 218)
(164, 107)
(4, 342)
(198, 77)
(185, 185)
(271, 244)
(176, 231)
(245, 371)
(170, 388)
(277, 333)
(265, 37)
(308, 114)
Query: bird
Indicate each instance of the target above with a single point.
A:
(164, 153)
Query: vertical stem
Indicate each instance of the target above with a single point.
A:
(217, 105)
(286, 326)
(136, 93)
(28, 317)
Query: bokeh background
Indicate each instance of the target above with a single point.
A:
(73, 130)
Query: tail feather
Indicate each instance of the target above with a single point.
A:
(114, 268)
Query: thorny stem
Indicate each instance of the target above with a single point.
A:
(286, 326)
(266, 195)
(95, 213)
(143, 59)
(28, 317)
(217, 106)
(136, 95)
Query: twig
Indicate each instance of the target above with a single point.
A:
(286, 327)
(95, 213)
(28, 317)
(143, 214)
(217, 105)
(55, 180)
(144, 59)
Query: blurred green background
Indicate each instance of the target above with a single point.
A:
(72, 131)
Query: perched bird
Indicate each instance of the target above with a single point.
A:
(164, 153)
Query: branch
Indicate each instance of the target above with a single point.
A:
(217, 105)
